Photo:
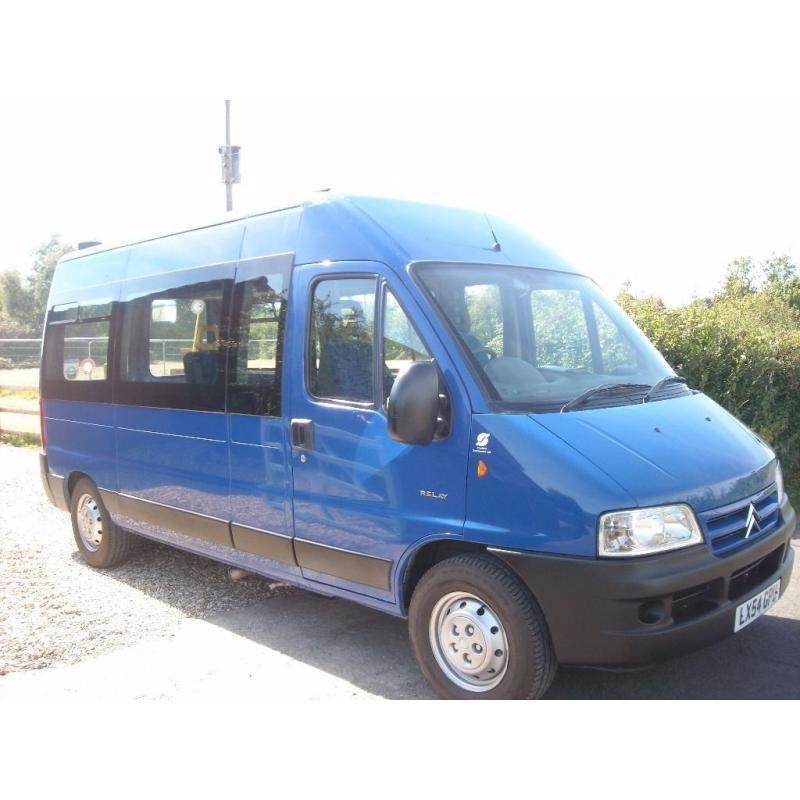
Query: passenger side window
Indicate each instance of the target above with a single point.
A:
(174, 336)
(180, 327)
(341, 356)
(77, 351)
(259, 313)
(173, 348)
(401, 342)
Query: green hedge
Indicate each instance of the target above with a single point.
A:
(743, 350)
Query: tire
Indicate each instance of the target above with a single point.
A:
(113, 545)
(508, 654)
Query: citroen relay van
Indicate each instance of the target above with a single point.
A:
(416, 408)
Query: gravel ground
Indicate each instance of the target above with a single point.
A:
(54, 609)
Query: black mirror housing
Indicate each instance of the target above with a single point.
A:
(413, 404)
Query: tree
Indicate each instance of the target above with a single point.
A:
(781, 280)
(739, 278)
(15, 301)
(46, 256)
(740, 346)
(23, 303)
(775, 276)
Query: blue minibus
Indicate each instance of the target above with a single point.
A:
(416, 408)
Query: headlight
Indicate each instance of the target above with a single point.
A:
(642, 531)
(779, 480)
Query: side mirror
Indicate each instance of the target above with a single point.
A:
(413, 404)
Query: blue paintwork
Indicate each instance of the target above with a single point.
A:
(80, 437)
(177, 458)
(687, 449)
(358, 489)
(550, 475)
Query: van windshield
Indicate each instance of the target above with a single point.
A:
(541, 339)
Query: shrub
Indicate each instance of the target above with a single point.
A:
(742, 348)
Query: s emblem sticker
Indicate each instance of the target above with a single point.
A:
(482, 443)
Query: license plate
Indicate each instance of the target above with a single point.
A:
(756, 606)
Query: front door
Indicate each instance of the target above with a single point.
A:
(361, 499)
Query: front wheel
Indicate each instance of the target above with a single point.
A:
(478, 633)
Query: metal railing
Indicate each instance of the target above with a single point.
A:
(18, 353)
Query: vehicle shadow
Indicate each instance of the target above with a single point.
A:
(760, 662)
(371, 650)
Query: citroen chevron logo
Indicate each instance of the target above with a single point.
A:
(753, 520)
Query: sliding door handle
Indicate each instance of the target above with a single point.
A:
(302, 434)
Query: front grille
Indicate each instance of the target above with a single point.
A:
(726, 527)
(747, 578)
(694, 602)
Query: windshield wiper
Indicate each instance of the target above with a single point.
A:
(602, 389)
(661, 384)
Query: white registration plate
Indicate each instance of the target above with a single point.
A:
(756, 606)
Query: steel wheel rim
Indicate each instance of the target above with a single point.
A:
(90, 522)
(469, 642)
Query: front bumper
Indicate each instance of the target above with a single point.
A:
(632, 613)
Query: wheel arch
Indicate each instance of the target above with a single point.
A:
(423, 557)
(71, 481)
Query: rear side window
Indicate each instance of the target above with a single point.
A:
(174, 336)
(78, 352)
(172, 348)
(179, 328)
(75, 360)
(341, 342)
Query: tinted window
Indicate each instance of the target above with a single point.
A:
(259, 314)
(181, 328)
(401, 343)
(75, 362)
(341, 352)
(77, 352)
(172, 350)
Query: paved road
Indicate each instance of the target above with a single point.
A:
(301, 645)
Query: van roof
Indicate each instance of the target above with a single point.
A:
(349, 227)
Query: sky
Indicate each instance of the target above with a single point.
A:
(650, 149)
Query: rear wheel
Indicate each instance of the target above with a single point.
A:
(478, 633)
(101, 543)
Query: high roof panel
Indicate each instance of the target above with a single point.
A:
(338, 227)
(400, 231)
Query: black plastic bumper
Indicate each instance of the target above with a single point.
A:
(610, 613)
(53, 485)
